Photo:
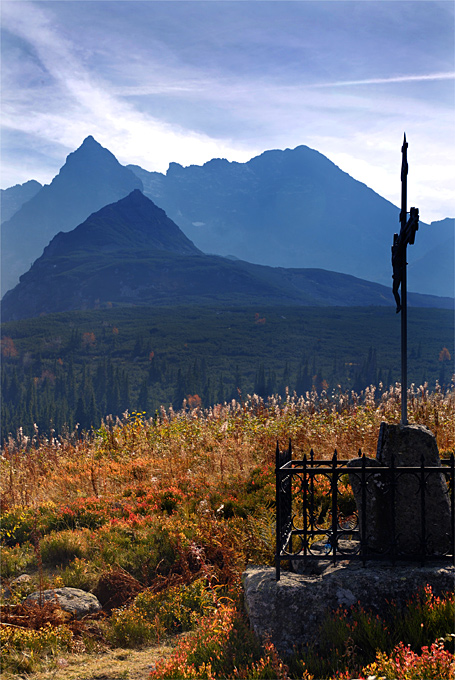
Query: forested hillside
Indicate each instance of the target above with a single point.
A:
(69, 368)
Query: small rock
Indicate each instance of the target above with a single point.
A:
(345, 597)
(77, 602)
(20, 580)
(16, 584)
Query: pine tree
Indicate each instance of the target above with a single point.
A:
(260, 387)
(80, 414)
(143, 397)
(220, 392)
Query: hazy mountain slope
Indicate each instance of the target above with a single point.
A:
(291, 208)
(90, 179)
(131, 253)
(13, 198)
(433, 271)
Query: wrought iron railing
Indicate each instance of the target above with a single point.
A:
(317, 517)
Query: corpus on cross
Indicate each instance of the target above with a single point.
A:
(409, 226)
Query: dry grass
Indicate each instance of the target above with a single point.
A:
(187, 458)
(212, 446)
(118, 664)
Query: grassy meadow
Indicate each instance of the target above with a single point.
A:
(159, 517)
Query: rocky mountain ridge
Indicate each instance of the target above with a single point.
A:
(90, 179)
(12, 199)
(291, 209)
(295, 208)
(131, 253)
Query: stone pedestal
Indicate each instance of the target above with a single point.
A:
(394, 514)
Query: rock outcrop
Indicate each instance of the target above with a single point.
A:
(291, 611)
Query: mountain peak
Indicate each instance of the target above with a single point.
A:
(135, 196)
(132, 223)
(90, 151)
(90, 178)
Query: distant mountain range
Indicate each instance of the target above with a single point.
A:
(295, 208)
(131, 253)
(14, 198)
(292, 209)
(90, 179)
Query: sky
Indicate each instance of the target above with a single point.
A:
(186, 81)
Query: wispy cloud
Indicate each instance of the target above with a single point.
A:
(190, 81)
(389, 80)
(82, 103)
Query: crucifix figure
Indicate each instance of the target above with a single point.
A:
(400, 242)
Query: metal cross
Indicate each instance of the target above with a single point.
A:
(400, 242)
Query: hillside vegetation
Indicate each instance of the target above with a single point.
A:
(159, 517)
(73, 368)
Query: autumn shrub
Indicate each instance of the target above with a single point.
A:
(90, 513)
(22, 649)
(222, 642)
(433, 663)
(427, 617)
(223, 647)
(213, 547)
(350, 638)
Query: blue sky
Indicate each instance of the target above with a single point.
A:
(188, 81)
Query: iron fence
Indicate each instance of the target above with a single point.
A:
(394, 515)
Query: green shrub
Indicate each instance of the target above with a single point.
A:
(152, 615)
(129, 628)
(81, 573)
(16, 560)
(168, 502)
(16, 526)
(143, 552)
(59, 548)
(22, 649)
(177, 609)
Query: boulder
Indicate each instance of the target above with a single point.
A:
(77, 602)
(290, 611)
(19, 581)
